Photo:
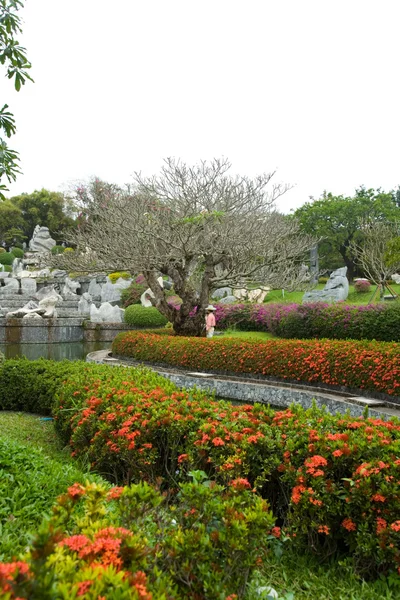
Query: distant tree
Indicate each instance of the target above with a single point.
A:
(13, 56)
(199, 226)
(379, 251)
(11, 220)
(338, 220)
(42, 207)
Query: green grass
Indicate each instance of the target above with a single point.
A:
(275, 296)
(32, 431)
(249, 335)
(34, 470)
(302, 577)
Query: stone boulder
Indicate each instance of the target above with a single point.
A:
(106, 313)
(11, 287)
(69, 289)
(47, 291)
(28, 286)
(221, 293)
(257, 295)
(41, 240)
(94, 290)
(336, 289)
(85, 303)
(228, 300)
(111, 292)
(396, 278)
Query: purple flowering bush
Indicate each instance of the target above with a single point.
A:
(314, 320)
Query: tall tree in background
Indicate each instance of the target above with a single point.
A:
(42, 207)
(13, 57)
(199, 226)
(338, 221)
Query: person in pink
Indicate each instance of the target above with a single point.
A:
(210, 320)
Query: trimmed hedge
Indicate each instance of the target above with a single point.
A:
(139, 316)
(6, 258)
(314, 320)
(18, 252)
(363, 365)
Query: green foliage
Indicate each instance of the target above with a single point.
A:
(392, 256)
(131, 542)
(13, 56)
(57, 249)
(362, 286)
(29, 484)
(139, 316)
(338, 220)
(115, 276)
(7, 268)
(2, 250)
(132, 294)
(45, 208)
(11, 221)
(6, 258)
(17, 252)
(366, 365)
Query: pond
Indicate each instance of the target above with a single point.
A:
(70, 351)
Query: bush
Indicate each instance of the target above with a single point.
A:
(6, 258)
(139, 316)
(17, 252)
(363, 365)
(57, 250)
(2, 250)
(323, 280)
(333, 481)
(327, 477)
(132, 543)
(314, 320)
(115, 276)
(68, 249)
(362, 286)
(132, 294)
(7, 268)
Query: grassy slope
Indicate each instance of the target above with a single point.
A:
(34, 470)
(353, 298)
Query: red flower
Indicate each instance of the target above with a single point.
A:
(76, 490)
(217, 441)
(240, 484)
(349, 525)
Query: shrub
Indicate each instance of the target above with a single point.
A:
(2, 250)
(330, 479)
(7, 268)
(323, 280)
(57, 250)
(115, 276)
(139, 316)
(131, 542)
(363, 365)
(362, 286)
(68, 249)
(132, 294)
(6, 258)
(17, 252)
(314, 320)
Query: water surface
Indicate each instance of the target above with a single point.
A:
(71, 351)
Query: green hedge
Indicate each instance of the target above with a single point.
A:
(139, 316)
(354, 364)
(18, 252)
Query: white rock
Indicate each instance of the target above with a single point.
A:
(396, 278)
(94, 289)
(69, 289)
(33, 315)
(49, 305)
(240, 293)
(47, 291)
(106, 313)
(228, 300)
(85, 303)
(28, 286)
(41, 240)
(10, 288)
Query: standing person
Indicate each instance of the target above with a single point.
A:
(210, 320)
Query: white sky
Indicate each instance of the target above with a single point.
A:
(308, 87)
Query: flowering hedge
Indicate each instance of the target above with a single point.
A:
(128, 543)
(363, 365)
(314, 320)
(333, 481)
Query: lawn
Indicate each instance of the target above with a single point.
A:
(353, 298)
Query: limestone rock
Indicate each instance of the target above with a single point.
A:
(240, 293)
(258, 295)
(41, 240)
(33, 315)
(111, 292)
(28, 286)
(335, 290)
(396, 278)
(11, 287)
(49, 305)
(221, 293)
(69, 289)
(106, 313)
(85, 303)
(228, 300)
(47, 291)
(94, 290)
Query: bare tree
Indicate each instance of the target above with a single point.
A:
(199, 226)
(375, 253)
